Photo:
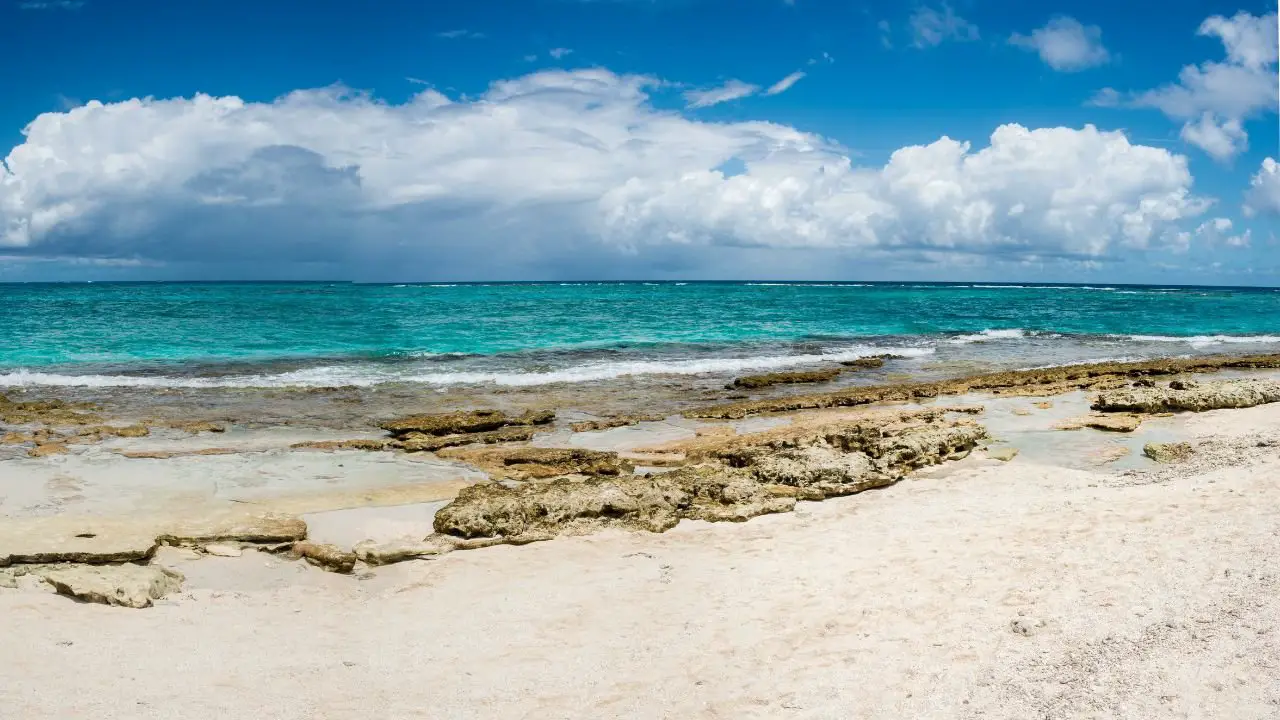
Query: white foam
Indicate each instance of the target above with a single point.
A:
(988, 335)
(364, 376)
(1199, 341)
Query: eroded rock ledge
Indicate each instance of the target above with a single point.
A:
(1189, 396)
(734, 480)
(1047, 381)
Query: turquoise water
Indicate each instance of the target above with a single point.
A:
(523, 334)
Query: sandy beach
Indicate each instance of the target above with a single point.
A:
(1050, 572)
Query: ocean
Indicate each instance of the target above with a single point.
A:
(198, 335)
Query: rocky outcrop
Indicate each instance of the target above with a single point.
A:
(132, 586)
(1168, 452)
(870, 363)
(531, 463)
(736, 479)
(53, 413)
(613, 422)
(373, 444)
(167, 454)
(1195, 397)
(755, 382)
(464, 422)
(1041, 382)
(420, 442)
(48, 449)
(261, 529)
(372, 552)
(328, 557)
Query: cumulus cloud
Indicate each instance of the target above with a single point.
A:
(785, 83)
(931, 27)
(728, 92)
(1213, 99)
(1218, 232)
(1221, 139)
(1065, 45)
(1263, 195)
(555, 172)
(559, 52)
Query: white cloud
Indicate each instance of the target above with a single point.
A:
(1218, 232)
(886, 34)
(932, 26)
(558, 53)
(1222, 140)
(1065, 45)
(785, 83)
(1250, 41)
(824, 58)
(731, 90)
(1214, 99)
(1263, 195)
(554, 171)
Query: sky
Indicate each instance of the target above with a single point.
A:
(401, 140)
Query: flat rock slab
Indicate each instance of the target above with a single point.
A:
(133, 586)
(267, 528)
(73, 540)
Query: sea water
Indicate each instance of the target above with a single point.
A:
(523, 334)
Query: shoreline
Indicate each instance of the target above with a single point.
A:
(167, 473)
(976, 588)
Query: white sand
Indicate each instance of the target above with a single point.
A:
(1138, 600)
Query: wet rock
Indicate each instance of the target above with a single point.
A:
(865, 363)
(1044, 381)
(372, 552)
(1168, 452)
(420, 442)
(1003, 454)
(614, 422)
(55, 413)
(133, 586)
(1107, 423)
(457, 423)
(539, 463)
(49, 449)
(261, 529)
(1195, 398)
(1183, 385)
(196, 426)
(15, 438)
(328, 557)
(754, 382)
(331, 445)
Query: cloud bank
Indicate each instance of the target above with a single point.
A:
(557, 173)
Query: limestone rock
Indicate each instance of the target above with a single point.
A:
(15, 438)
(1193, 397)
(228, 550)
(134, 586)
(465, 422)
(613, 422)
(260, 529)
(1168, 452)
(196, 426)
(1003, 454)
(49, 449)
(753, 382)
(1108, 423)
(373, 552)
(167, 454)
(329, 557)
(422, 442)
(1044, 405)
(330, 445)
(1045, 381)
(738, 478)
(539, 463)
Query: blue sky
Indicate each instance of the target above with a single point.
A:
(551, 139)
